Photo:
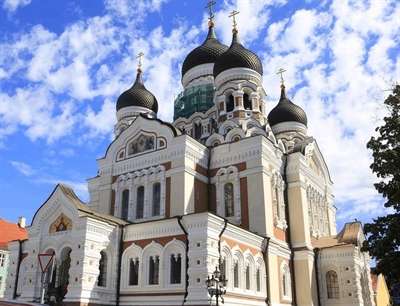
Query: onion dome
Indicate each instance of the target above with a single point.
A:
(138, 96)
(286, 111)
(237, 56)
(208, 52)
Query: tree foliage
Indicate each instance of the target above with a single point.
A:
(383, 235)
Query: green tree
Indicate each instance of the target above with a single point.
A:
(383, 235)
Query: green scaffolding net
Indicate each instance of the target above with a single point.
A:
(195, 99)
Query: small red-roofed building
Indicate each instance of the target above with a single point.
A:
(9, 232)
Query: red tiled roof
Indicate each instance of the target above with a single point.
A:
(11, 231)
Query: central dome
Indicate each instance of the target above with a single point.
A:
(206, 53)
(138, 95)
(237, 56)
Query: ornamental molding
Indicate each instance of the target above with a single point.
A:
(191, 152)
(235, 158)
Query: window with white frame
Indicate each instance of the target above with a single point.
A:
(140, 195)
(236, 275)
(156, 195)
(332, 285)
(154, 270)
(227, 184)
(2, 260)
(229, 200)
(133, 271)
(286, 282)
(247, 277)
(125, 205)
(278, 185)
(176, 268)
(258, 279)
(139, 202)
(102, 279)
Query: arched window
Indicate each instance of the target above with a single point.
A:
(156, 199)
(332, 285)
(125, 205)
(236, 275)
(154, 270)
(286, 282)
(228, 197)
(258, 279)
(230, 104)
(247, 101)
(133, 272)
(247, 277)
(140, 202)
(176, 268)
(102, 279)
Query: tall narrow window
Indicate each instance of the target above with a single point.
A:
(197, 130)
(125, 204)
(2, 260)
(176, 268)
(133, 272)
(258, 280)
(236, 275)
(247, 101)
(139, 202)
(332, 285)
(247, 278)
(228, 195)
(286, 282)
(154, 270)
(156, 199)
(102, 279)
(230, 104)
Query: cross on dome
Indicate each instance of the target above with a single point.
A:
(233, 14)
(139, 56)
(281, 71)
(210, 5)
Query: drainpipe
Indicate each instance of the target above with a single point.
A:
(219, 240)
(317, 256)
(209, 180)
(17, 271)
(286, 197)
(179, 218)
(266, 260)
(121, 239)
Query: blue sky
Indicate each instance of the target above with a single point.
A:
(63, 65)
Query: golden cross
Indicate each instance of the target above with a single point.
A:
(234, 12)
(281, 71)
(140, 58)
(209, 5)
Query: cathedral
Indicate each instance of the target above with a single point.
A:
(230, 203)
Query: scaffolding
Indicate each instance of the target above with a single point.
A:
(194, 99)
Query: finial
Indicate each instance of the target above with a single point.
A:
(210, 5)
(233, 14)
(139, 56)
(281, 71)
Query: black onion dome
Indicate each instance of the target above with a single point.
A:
(206, 53)
(237, 56)
(138, 95)
(286, 111)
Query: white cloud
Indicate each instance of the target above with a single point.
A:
(25, 169)
(12, 5)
